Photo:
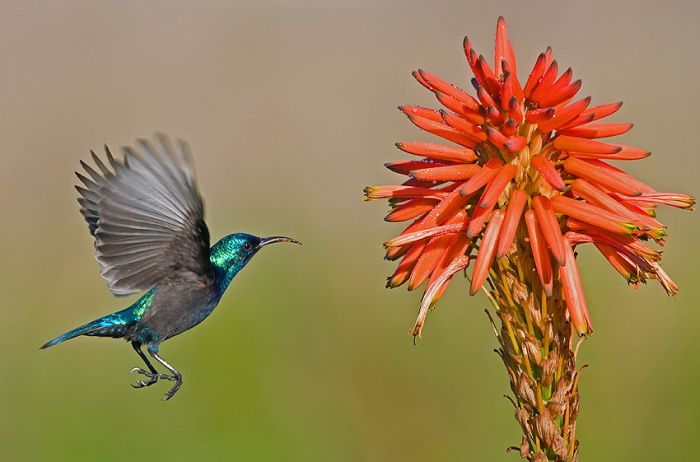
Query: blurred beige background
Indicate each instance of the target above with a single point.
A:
(289, 108)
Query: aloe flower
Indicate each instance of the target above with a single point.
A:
(523, 174)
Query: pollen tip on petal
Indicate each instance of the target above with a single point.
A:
(584, 330)
(416, 333)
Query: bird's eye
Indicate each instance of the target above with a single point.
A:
(247, 246)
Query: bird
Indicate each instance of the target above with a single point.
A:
(146, 215)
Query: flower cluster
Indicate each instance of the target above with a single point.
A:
(521, 158)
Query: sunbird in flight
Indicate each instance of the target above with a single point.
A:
(147, 217)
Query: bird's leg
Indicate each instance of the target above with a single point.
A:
(151, 373)
(176, 377)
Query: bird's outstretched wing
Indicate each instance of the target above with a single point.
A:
(146, 215)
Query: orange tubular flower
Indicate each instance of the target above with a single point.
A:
(519, 159)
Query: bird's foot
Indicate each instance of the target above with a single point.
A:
(178, 383)
(152, 378)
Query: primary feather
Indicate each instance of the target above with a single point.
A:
(147, 217)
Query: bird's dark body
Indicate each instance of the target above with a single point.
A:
(147, 218)
(170, 309)
(176, 308)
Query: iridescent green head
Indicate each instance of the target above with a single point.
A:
(231, 253)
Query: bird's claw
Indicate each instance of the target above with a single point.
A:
(178, 383)
(152, 378)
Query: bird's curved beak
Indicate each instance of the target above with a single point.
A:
(274, 239)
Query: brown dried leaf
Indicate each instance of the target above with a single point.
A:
(533, 351)
(523, 418)
(525, 392)
(545, 427)
(524, 447)
(559, 447)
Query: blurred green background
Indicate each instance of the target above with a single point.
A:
(289, 108)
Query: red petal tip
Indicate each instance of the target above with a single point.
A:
(515, 144)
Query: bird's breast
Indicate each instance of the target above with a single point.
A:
(178, 308)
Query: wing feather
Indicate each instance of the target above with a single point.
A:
(146, 215)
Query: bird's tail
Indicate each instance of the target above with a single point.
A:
(113, 325)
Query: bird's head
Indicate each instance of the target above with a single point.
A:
(231, 253)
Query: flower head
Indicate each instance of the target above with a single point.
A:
(519, 158)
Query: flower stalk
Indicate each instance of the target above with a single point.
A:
(538, 347)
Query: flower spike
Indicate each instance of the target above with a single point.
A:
(521, 172)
